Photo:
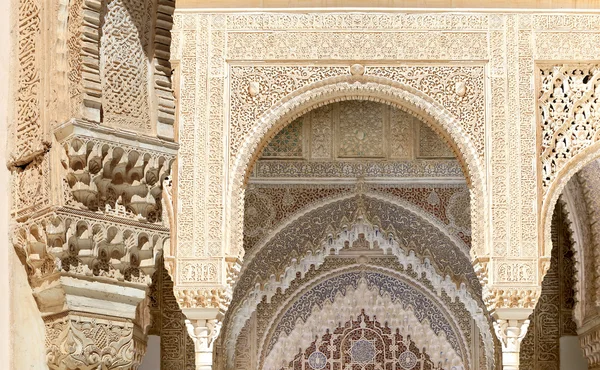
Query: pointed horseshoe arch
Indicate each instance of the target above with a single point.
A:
(370, 88)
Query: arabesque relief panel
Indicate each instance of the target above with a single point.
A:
(479, 67)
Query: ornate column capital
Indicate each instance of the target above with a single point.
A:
(511, 327)
(89, 342)
(204, 326)
(92, 323)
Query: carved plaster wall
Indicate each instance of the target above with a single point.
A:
(315, 319)
(176, 347)
(231, 106)
(302, 211)
(92, 130)
(352, 130)
(90, 147)
(553, 315)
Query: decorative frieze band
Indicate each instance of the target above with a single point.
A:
(87, 246)
(114, 175)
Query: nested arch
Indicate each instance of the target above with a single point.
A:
(398, 299)
(357, 88)
(420, 243)
(359, 290)
(575, 210)
(579, 202)
(557, 186)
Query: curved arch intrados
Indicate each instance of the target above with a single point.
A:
(557, 186)
(406, 279)
(400, 203)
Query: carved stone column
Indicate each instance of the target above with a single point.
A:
(203, 326)
(90, 253)
(511, 326)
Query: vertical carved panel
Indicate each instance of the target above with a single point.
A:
(29, 129)
(124, 65)
(361, 129)
(162, 69)
(74, 45)
(430, 145)
(553, 315)
(176, 347)
(321, 132)
(401, 134)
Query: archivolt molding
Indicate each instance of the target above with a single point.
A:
(363, 297)
(576, 214)
(447, 289)
(373, 193)
(552, 318)
(342, 212)
(573, 166)
(256, 89)
(356, 88)
(590, 181)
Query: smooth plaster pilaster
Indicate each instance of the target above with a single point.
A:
(571, 355)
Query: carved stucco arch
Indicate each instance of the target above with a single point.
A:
(305, 287)
(386, 311)
(573, 202)
(371, 88)
(401, 203)
(232, 322)
(553, 192)
(411, 209)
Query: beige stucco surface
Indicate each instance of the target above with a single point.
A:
(4, 194)
(508, 4)
(21, 326)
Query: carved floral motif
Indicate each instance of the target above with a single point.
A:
(124, 64)
(88, 343)
(365, 343)
(568, 113)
